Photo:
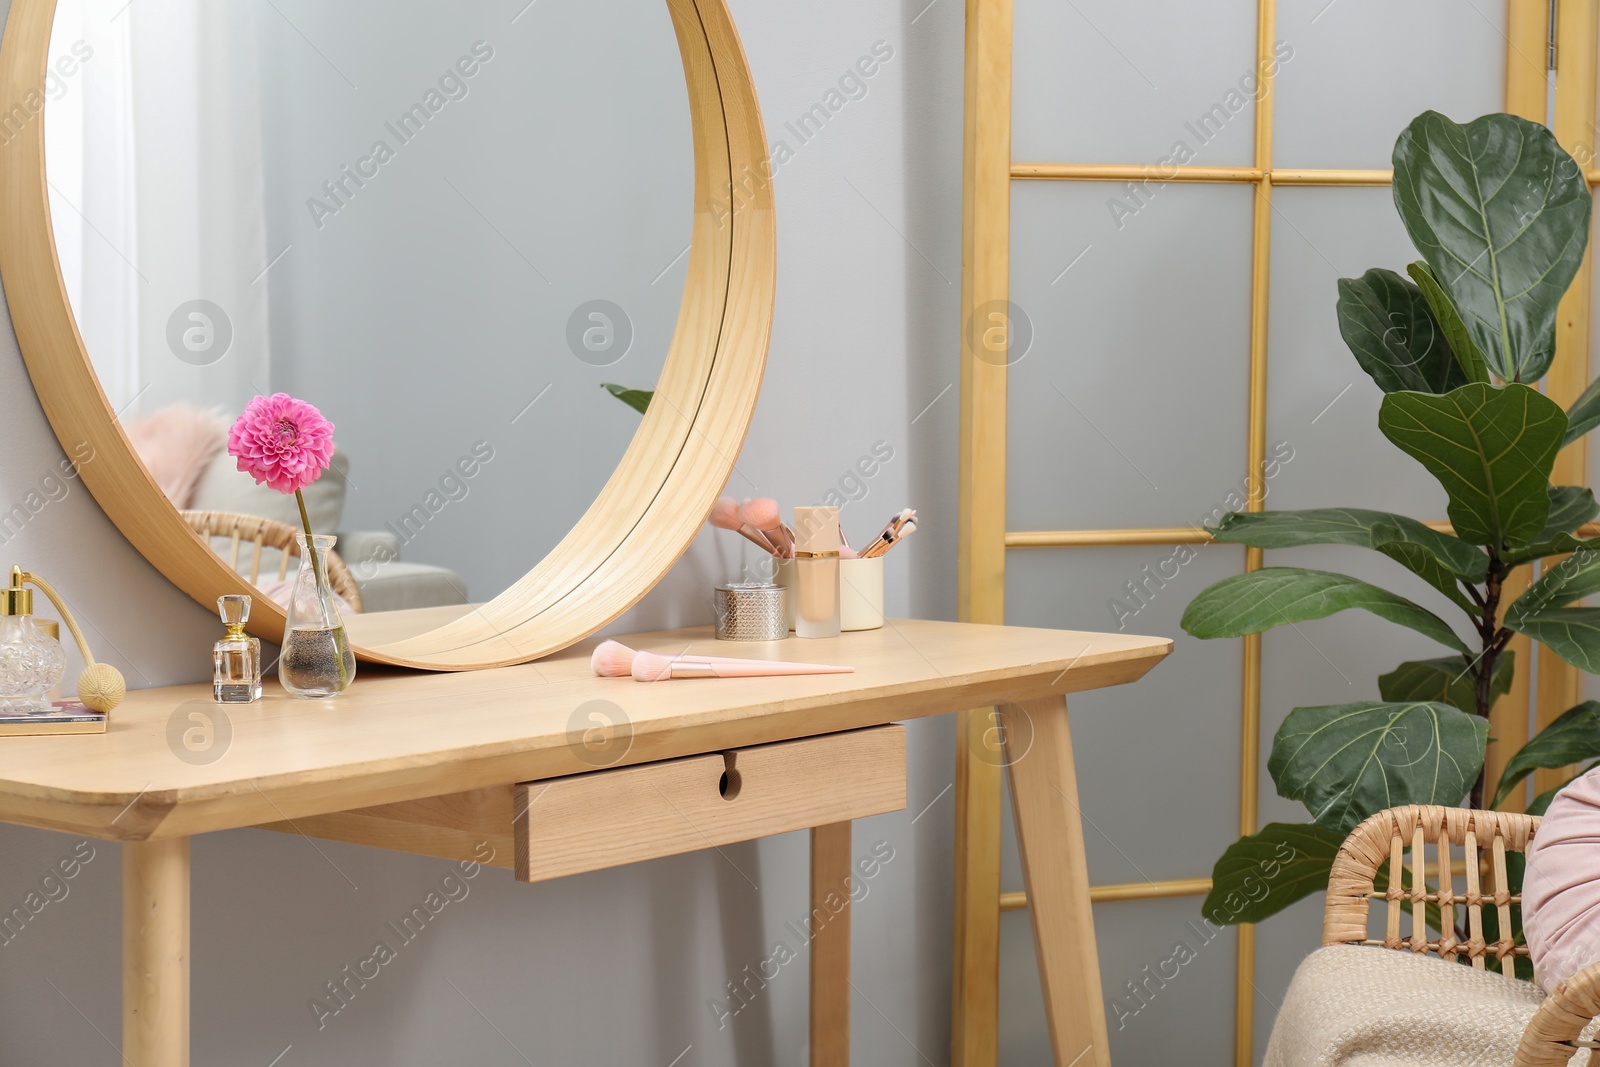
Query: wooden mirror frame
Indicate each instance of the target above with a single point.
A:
(650, 509)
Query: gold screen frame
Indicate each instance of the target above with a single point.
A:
(988, 171)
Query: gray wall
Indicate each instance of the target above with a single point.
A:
(618, 967)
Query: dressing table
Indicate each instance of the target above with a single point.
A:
(439, 764)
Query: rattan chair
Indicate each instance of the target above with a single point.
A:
(1484, 838)
(261, 534)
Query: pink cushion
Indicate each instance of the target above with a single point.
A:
(1561, 889)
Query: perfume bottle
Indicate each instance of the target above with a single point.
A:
(236, 659)
(31, 661)
(816, 572)
(51, 629)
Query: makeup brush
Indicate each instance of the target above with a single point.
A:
(894, 537)
(904, 532)
(889, 532)
(725, 516)
(763, 514)
(613, 659)
(649, 667)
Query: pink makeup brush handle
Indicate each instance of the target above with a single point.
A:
(747, 668)
(755, 536)
(649, 667)
(776, 664)
(782, 543)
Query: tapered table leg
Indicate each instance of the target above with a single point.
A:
(1044, 792)
(830, 945)
(155, 953)
(975, 996)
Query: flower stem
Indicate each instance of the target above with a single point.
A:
(316, 570)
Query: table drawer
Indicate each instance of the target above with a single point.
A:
(590, 822)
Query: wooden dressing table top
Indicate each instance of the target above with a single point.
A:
(400, 735)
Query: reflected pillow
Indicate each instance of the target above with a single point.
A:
(281, 592)
(177, 444)
(223, 487)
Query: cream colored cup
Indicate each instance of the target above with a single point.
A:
(860, 592)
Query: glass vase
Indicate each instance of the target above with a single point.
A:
(316, 660)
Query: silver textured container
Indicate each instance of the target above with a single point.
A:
(750, 611)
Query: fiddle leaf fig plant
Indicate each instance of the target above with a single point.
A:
(1500, 214)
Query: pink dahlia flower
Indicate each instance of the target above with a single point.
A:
(282, 442)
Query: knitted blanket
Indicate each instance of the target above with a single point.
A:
(1362, 1006)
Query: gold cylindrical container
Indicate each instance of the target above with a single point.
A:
(750, 611)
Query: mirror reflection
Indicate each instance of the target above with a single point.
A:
(448, 226)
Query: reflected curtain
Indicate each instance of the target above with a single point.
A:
(153, 153)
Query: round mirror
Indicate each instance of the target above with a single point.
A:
(505, 248)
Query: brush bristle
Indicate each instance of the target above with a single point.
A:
(649, 667)
(725, 514)
(612, 659)
(762, 513)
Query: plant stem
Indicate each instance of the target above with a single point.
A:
(1492, 637)
(316, 571)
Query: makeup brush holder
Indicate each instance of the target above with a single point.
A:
(751, 611)
(860, 592)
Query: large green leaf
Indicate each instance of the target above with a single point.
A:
(1473, 368)
(637, 399)
(1570, 507)
(1387, 323)
(1259, 600)
(1349, 526)
(1561, 583)
(1501, 214)
(1419, 561)
(1584, 414)
(1571, 633)
(1347, 761)
(1491, 447)
(1260, 875)
(1572, 738)
(1447, 680)
(1558, 545)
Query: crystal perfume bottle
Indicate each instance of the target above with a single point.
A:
(31, 661)
(236, 659)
